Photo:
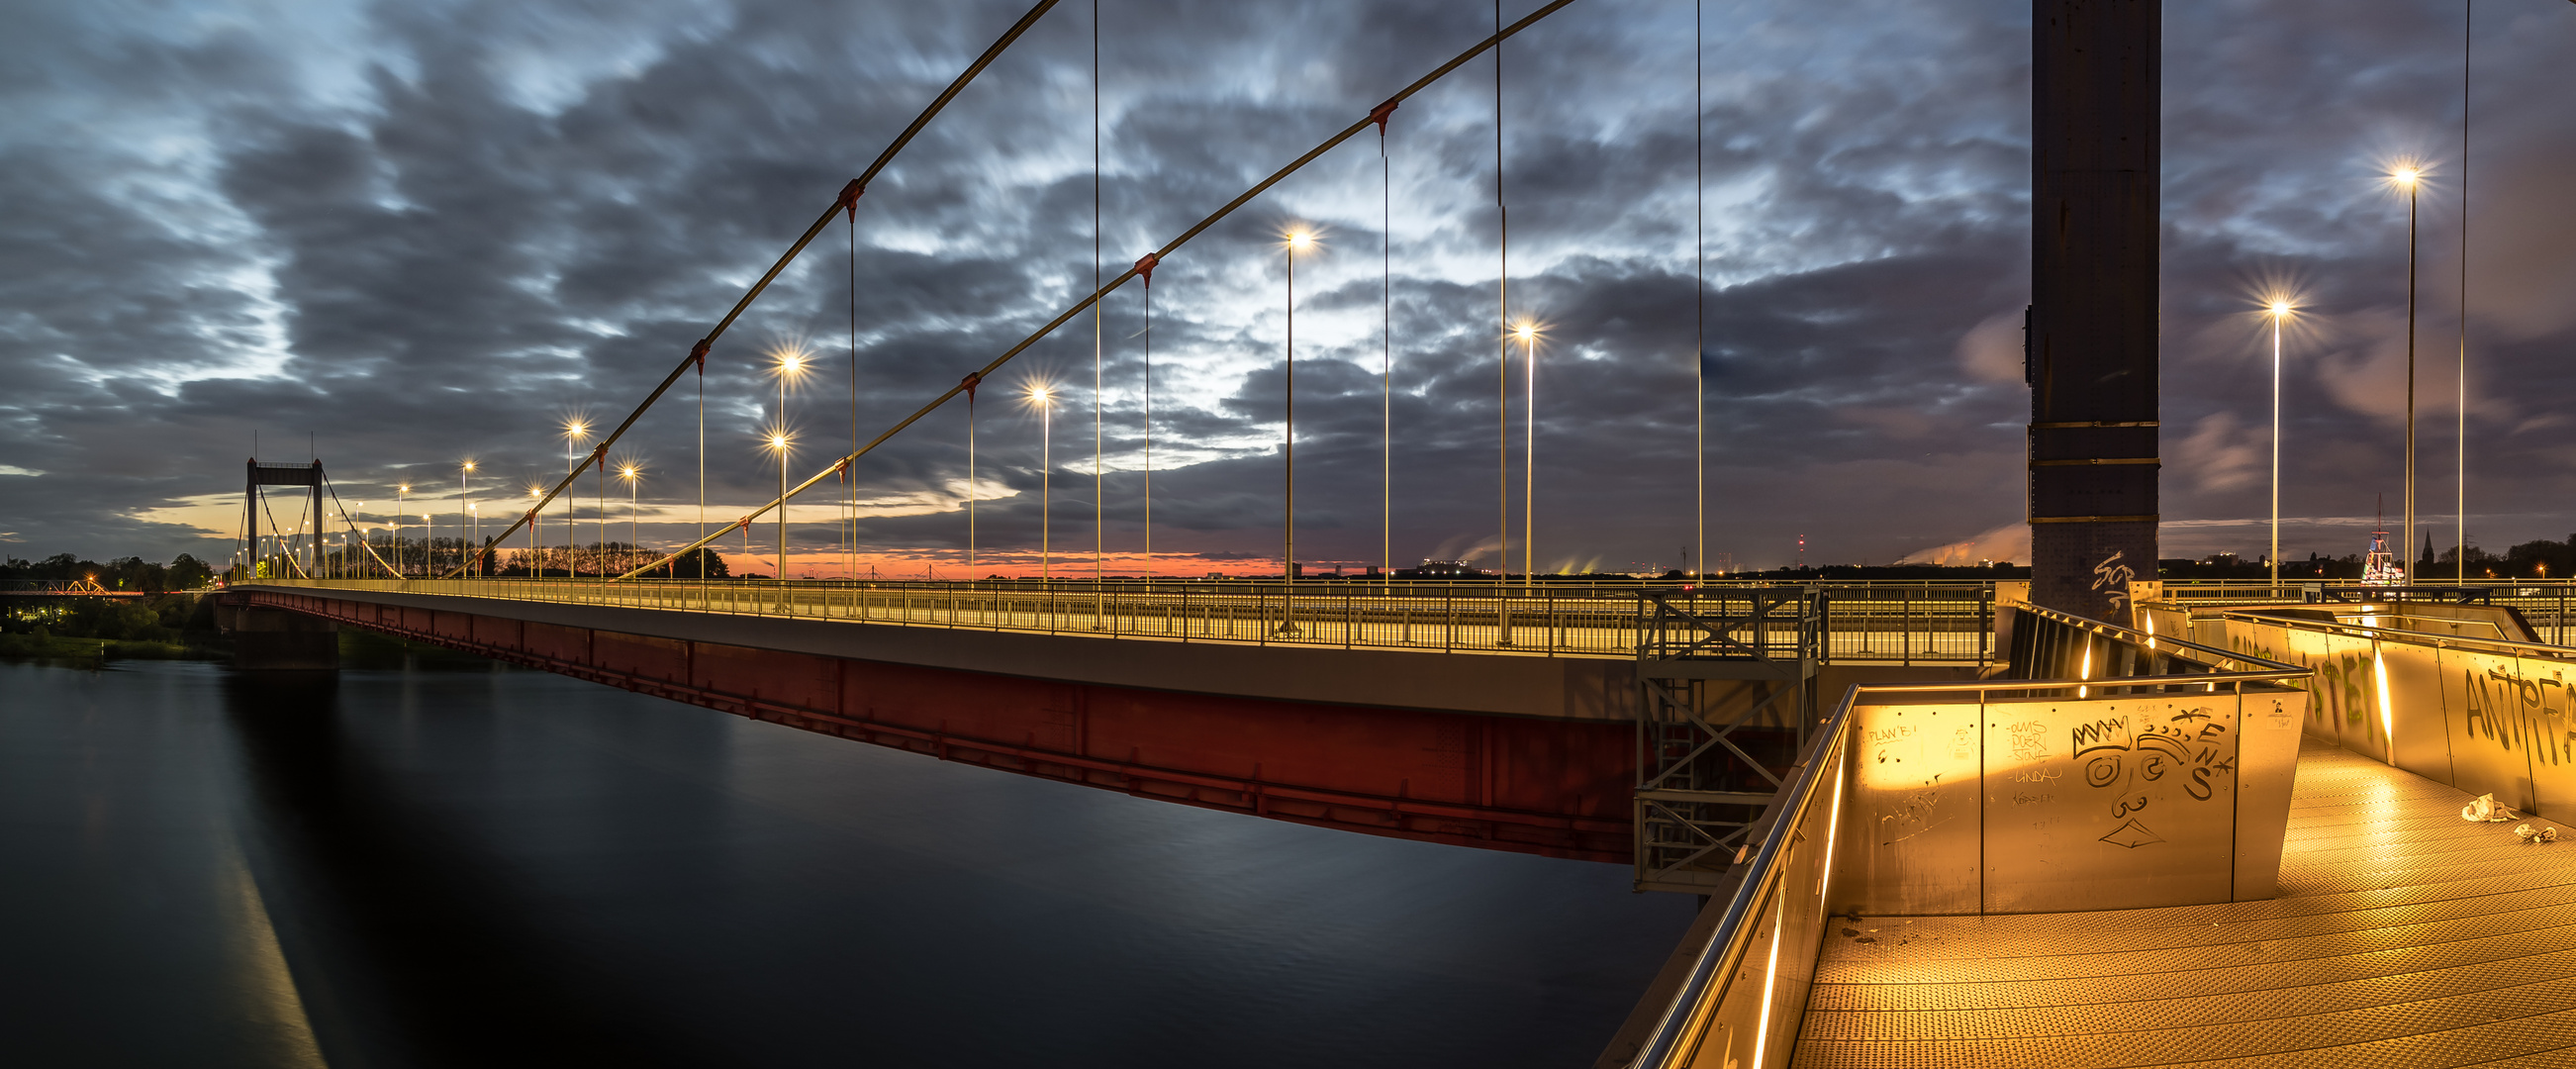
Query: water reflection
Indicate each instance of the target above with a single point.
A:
(478, 866)
(412, 943)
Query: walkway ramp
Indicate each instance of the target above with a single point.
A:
(2403, 936)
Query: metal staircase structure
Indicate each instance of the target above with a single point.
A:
(1725, 678)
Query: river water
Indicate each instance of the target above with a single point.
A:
(440, 862)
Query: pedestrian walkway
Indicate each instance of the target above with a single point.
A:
(2403, 936)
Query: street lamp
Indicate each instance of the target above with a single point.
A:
(464, 511)
(536, 536)
(1041, 395)
(1297, 241)
(2409, 177)
(2279, 311)
(399, 491)
(1527, 333)
(576, 431)
(778, 442)
(629, 472)
(790, 366)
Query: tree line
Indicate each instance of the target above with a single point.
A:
(185, 572)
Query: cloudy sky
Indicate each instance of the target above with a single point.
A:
(418, 233)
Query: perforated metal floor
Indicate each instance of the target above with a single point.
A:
(2403, 936)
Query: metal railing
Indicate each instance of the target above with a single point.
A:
(1765, 942)
(1918, 624)
(2545, 605)
(2047, 643)
(2404, 636)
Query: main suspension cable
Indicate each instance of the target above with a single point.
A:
(352, 524)
(848, 199)
(1150, 260)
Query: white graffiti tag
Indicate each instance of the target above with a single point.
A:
(2112, 577)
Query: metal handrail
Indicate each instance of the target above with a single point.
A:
(2504, 646)
(2155, 642)
(2296, 582)
(1696, 999)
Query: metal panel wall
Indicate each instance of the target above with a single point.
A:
(2344, 707)
(1916, 805)
(2488, 718)
(2491, 714)
(2406, 685)
(2039, 805)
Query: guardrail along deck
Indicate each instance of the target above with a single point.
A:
(2403, 936)
(1901, 624)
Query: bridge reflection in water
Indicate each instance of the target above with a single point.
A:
(1458, 713)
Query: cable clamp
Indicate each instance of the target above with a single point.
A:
(1380, 114)
(974, 379)
(699, 353)
(1145, 266)
(849, 201)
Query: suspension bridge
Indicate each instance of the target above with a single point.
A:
(2092, 819)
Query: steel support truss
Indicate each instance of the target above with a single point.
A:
(1712, 668)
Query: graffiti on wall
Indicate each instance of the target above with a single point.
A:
(2111, 579)
(2125, 756)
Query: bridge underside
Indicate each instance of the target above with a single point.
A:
(2403, 936)
(1553, 787)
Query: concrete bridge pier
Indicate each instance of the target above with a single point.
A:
(272, 639)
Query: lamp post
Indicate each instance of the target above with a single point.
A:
(399, 490)
(603, 514)
(576, 431)
(2411, 179)
(778, 443)
(629, 472)
(790, 367)
(1527, 332)
(2279, 310)
(1042, 395)
(464, 514)
(1297, 240)
(2460, 477)
(536, 536)
(974, 489)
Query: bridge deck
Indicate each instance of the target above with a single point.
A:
(2403, 936)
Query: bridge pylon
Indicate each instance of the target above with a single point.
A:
(308, 476)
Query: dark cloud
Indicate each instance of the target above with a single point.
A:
(428, 232)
